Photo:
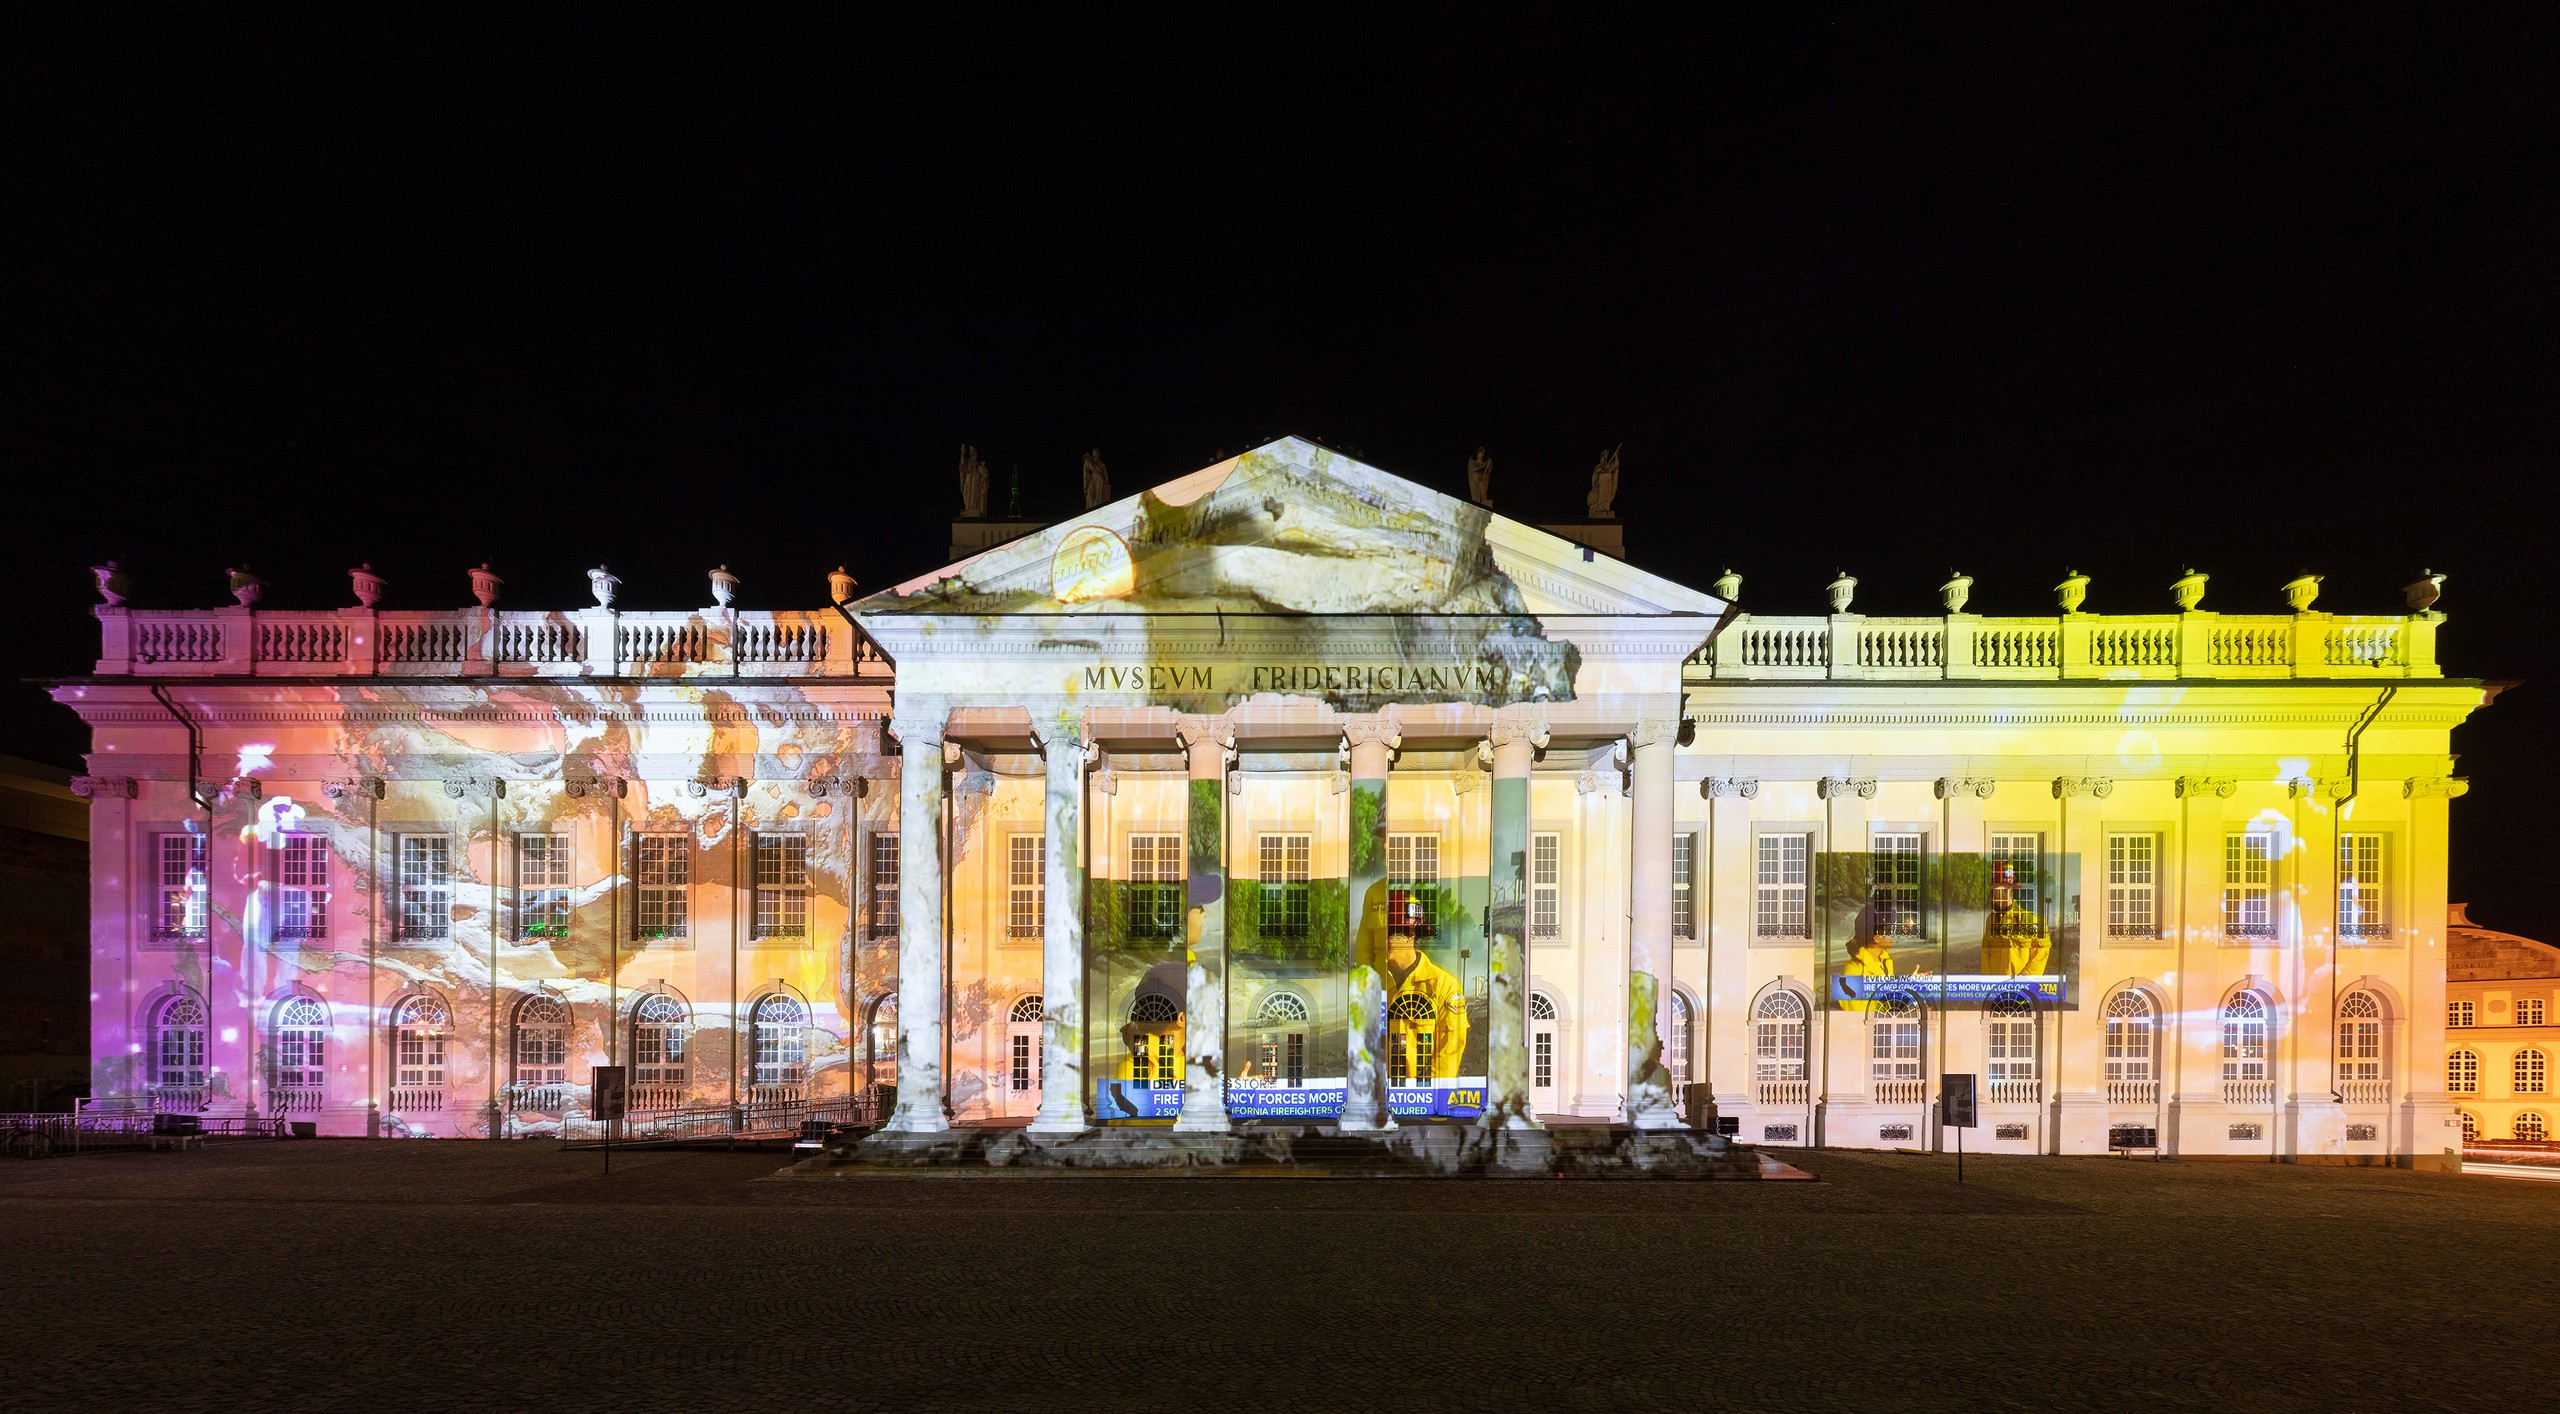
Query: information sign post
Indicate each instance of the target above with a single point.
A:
(613, 1096)
(1955, 1111)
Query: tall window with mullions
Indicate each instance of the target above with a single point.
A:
(782, 886)
(1897, 884)
(1413, 884)
(1284, 868)
(302, 892)
(542, 887)
(884, 884)
(1026, 885)
(1156, 872)
(664, 866)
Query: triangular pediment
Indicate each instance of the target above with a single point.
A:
(1291, 529)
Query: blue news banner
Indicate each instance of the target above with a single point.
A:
(1958, 989)
(1127, 1099)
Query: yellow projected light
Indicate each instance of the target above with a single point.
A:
(1091, 563)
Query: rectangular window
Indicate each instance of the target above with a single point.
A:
(2529, 1011)
(2461, 1013)
(884, 885)
(2360, 912)
(1895, 1049)
(1026, 892)
(1897, 885)
(1156, 874)
(2248, 901)
(1283, 880)
(542, 887)
(1546, 886)
(2012, 1048)
(1021, 1064)
(2017, 902)
(1778, 886)
(425, 888)
(181, 911)
(302, 887)
(2133, 885)
(782, 885)
(1684, 885)
(1413, 885)
(665, 868)
(1542, 1060)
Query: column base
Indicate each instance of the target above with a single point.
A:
(921, 1120)
(1068, 1121)
(1204, 1111)
(1349, 1125)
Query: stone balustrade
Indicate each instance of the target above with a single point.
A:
(2071, 646)
(584, 643)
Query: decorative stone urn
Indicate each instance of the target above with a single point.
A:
(840, 586)
(245, 587)
(603, 584)
(114, 584)
(2072, 592)
(724, 586)
(1957, 589)
(2421, 592)
(2187, 590)
(484, 585)
(368, 586)
(2300, 590)
(1728, 586)
(1840, 590)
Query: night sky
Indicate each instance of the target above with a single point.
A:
(1862, 289)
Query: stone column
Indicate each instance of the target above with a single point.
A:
(1649, 940)
(920, 978)
(1373, 741)
(1517, 735)
(1204, 929)
(1062, 1085)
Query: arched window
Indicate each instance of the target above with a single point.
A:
(779, 1040)
(2470, 1127)
(177, 1049)
(1280, 1040)
(2530, 1071)
(1893, 1050)
(1026, 1008)
(2530, 1128)
(1540, 1009)
(2359, 1037)
(660, 1030)
(1154, 1009)
(2132, 1027)
(2244, 1038)
(302, 1034)
(1413, 1026)
(1542, 1042)
(1777, 1037)
(1154, 1060)
(418, 1028)
(2011, 1050)
(2462, 1072)
(541, 1051)
(1675, 1045)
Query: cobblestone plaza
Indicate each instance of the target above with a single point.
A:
(507, 1275)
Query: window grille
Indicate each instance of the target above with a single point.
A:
(2462, 1072)
(1546, 885)
(2359, 1037)
(1894, 1042)
(2529, 1011)
(425, 890)
(542, 887)
(2244, 1038)
(1542, 1060)
(2531, 1129)
(179, 1048)
(2131, 1030)
(2530, 1071)
(1675, 1043)
(1026, 1009)
(665, 868)
(884, 885)
(1897, 885)
(1413, 885)
(542, 1041)
(2133, 885)
(1282, 1045)
(417, 1038)
(782, 884)
(2017, 901)
(659, 1024)
(1778, 890)
(1412, 1027)
(2011, 1041)
(2461, 1013)
(1283, 878)
(2248, 906)
(1684, 885)
(1021, 1070)
(780, 1040)
(2470, 1127)
(302, 1033)
(1026, 892)
(1156, 874)
(2360, 912)
(302, 887)
(1777, 1037)
(181, 912)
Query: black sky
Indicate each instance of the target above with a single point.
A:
(1866, 288)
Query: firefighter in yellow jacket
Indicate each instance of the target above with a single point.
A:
(1426, 1003)
(2014, 940)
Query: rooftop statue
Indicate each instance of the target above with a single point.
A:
(1480, 478)
(1604, 485)
(1097, 480)
(973, 483)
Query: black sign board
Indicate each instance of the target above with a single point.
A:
(613, 1090)
(1955, 1102)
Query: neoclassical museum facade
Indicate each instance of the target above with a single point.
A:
(1286, 792)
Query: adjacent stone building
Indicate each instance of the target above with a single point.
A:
(2502, 1032)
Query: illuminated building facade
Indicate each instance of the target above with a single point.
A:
(2502, 1033)
(1287, 790)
